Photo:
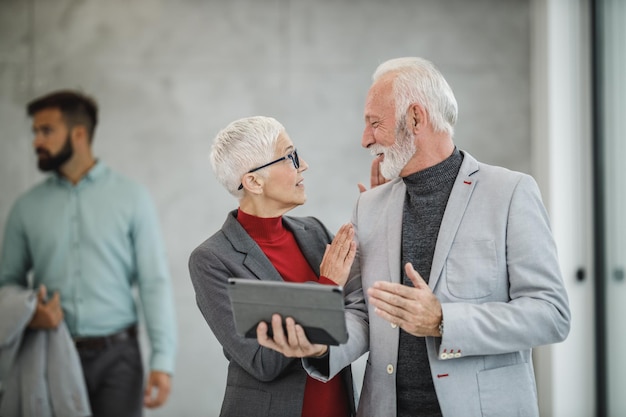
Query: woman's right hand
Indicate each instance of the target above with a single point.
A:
(339, 255)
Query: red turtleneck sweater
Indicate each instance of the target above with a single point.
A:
(321, 399)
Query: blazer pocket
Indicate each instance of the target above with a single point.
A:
(471, 269)
(245, 402)
(508, 391)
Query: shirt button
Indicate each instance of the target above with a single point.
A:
(390, 369)
(394, 325)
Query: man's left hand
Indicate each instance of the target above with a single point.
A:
(416, 310)
(376, 178)
(157, 389)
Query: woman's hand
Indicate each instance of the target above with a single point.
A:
(289, 340)
(339, 255)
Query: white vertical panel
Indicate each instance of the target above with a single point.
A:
(562, 164)
(613, 81)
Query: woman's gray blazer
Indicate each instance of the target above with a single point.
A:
(260, 382)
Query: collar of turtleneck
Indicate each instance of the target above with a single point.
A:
(261, 228)
(431, 179)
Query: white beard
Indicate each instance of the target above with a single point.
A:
(398, 154)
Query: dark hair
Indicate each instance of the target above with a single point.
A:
(76, 108)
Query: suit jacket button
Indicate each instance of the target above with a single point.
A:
(390, 369)
(443, 356)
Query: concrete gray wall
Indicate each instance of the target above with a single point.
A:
(169, 74)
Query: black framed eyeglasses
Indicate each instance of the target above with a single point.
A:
(293, 155)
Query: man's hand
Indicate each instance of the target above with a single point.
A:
(376, 178)
(48, 313)
(157, 389)
(339, 255)
(293, 345)
(416, 310)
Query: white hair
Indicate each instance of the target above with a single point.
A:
(417, 80)
(241, 146)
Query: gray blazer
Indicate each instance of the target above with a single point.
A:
(496, 272)
(260, 381)
(40, 371)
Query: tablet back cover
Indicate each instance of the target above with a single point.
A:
(318, 308)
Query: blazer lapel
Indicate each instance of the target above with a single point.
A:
(395, 205)
(255, 260)
(308, 242)
(455, 209)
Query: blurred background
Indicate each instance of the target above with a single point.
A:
(538, 91)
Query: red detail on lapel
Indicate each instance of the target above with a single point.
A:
(467, 182)
(442, 375)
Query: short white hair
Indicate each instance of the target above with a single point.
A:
(417, 80)
(241, 146)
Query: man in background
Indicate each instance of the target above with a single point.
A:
(89, 236)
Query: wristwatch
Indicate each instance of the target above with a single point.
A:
(441, 327)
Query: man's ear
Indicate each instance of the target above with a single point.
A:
(79, 134)
(253, 183)
(417, 117)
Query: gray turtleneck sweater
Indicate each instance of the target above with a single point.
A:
(427, 194)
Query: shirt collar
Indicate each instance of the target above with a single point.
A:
(97, 171)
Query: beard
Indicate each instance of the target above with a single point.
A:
(48, 162)
(398, 154)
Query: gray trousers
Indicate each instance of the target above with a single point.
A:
(114, 377)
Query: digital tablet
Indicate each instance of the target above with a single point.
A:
(318, 308)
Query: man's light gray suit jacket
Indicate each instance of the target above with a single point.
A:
(496, 272)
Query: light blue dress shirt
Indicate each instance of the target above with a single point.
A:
(94, 243)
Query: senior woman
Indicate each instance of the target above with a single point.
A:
(256, 161)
